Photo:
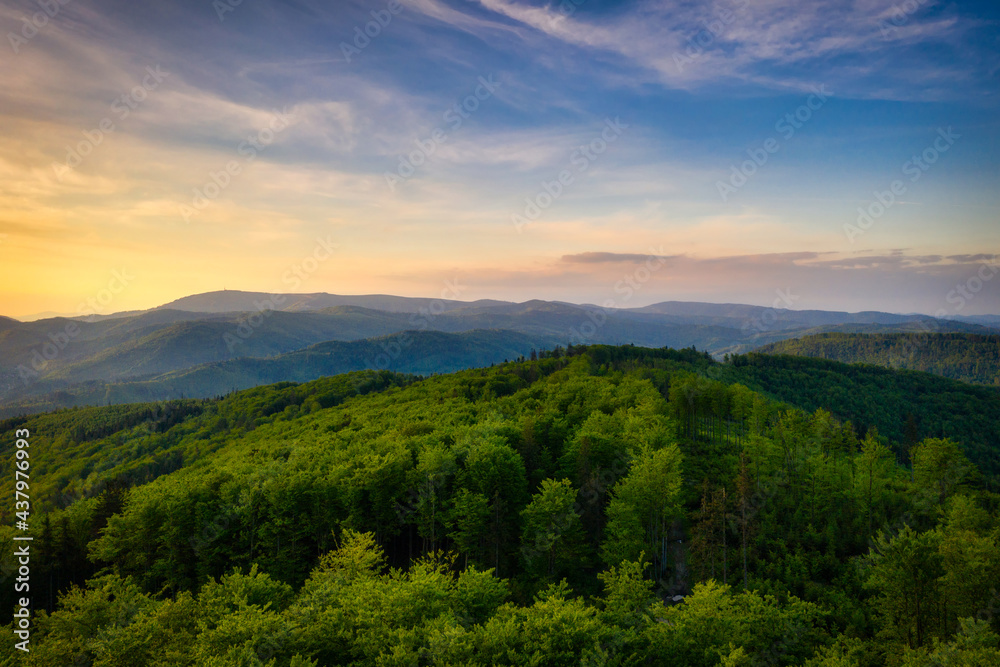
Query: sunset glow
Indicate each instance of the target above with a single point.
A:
(200, 146)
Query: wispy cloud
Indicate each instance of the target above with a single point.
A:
(778, 43)
(699, 84)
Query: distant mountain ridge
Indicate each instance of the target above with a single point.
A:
(58, 356)
(412, 352)
(229, 301)
(711, 313)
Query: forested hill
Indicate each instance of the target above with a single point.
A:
(967, 357)
(905, 406)
(598, 505)
(234, 340)
(423, 352)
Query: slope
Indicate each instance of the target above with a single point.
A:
(496, 516)
(967, 357)
(416, 352)
(903, 405)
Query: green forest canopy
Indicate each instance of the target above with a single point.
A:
(541, 512)
(959, 356)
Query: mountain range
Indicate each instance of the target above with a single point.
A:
(208, 344)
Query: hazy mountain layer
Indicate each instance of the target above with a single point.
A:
(414, 352)
(81, 357)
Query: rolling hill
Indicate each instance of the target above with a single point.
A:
(54, 362)
(411, 352)
(967, 357)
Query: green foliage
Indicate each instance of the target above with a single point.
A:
(975, 646)
(553, 539)
(713, 621)
(642, 507)
(555, 630)
(628, 595)
(905, 572)
(377, 519)
(889, 400)
(959, 356)
(940, 468)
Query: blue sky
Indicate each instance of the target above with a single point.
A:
(692, 90)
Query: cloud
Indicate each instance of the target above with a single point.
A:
(562, 76)
(780, 44)
(815, 282)
(898, 259)
(968, 259)
(610, 257)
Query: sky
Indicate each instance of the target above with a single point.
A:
(832, 154)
